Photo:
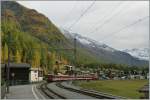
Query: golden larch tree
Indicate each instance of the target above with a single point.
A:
(18, 56)
(36, 59)
(5, 53)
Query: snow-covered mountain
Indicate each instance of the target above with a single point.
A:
(103, 52)
(87, 41)
(142, 53)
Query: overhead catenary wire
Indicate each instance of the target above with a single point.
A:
(107, 14)
(89, 7)
(107, 20)
(70, 11)
(125, 27)
(110, 18)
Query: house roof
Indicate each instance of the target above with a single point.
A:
(36, 69)
(17, 65)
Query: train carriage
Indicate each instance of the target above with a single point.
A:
(52, 78)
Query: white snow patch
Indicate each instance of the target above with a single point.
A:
(139, 53)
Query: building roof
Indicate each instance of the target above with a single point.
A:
(17, 65)
(144, 89)
(36, 69)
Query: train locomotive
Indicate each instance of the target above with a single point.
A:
(53, 78)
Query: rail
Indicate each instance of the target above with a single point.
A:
(50, 93)
(91, 93)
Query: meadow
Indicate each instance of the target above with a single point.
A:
(125, 88)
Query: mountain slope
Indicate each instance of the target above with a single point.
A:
(32, 22)
(104, 52)
(41, 33)
(139, 53)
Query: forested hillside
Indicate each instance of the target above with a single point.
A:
(34, 39)
(28, 34)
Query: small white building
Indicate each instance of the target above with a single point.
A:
(147, 76)
(69, 68)
(142, 77)
(131, 77)
(36, 75)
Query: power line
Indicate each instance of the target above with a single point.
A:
(107, 14)
(125, 27)
(89, 7)
(69, 13)
(107, 21)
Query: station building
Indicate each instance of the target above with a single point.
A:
(18, 73)
(21, 73)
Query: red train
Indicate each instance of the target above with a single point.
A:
(52, 78)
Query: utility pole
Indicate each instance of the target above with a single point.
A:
(39, 68)
(75, 51)
(8, 62)
(8, 65)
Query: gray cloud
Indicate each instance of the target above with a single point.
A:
(64, 13)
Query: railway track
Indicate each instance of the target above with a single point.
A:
(91, 93)
(50, 93)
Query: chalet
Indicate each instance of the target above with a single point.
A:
(69, 68)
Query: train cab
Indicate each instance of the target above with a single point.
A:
(49, 77)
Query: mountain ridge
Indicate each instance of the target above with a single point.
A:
(101, 50)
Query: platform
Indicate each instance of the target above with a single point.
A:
(24, 92)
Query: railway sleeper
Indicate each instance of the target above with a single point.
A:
(57, 96)
(90, 93)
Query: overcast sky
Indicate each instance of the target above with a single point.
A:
(104, 21)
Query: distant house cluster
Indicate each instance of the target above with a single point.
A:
(116, 75)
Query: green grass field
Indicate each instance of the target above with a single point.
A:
(125, 88)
